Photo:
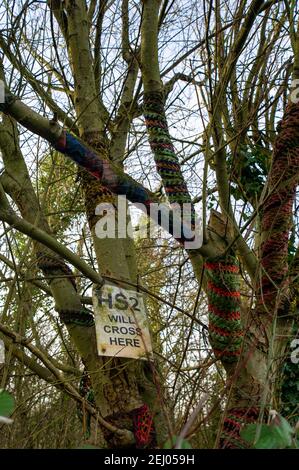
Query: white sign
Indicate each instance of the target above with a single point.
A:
(121, 323)
(2, 352)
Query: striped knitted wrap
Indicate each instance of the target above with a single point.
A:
(277, 209)
(166, 160)
(144, 428)
(51, 265)
(160, 141)
(234, 421)
(225, 328)
(114, 181)
(142, 420)
(101, 169)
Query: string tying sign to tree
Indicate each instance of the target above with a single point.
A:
(121, 323)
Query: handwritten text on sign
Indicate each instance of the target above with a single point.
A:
(121, 323)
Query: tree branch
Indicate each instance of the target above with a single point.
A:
(8, 215)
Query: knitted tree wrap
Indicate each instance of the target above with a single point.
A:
(160, 141)
(144, 429)
(51, 262)
(166, 160)
(54, 266)
(225, 328)
(141, 418)
(101, 169)
(277, 209)
(114, 181)
(234, 421)
(81, 317)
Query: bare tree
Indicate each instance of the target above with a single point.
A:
(160, 101)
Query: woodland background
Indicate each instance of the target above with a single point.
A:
(226, 69)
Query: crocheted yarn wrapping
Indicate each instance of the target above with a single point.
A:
(82, 317)
(166, 160)
(115, 182)
(50, 262)
(225, 328)
(51, 265)
(277, 209)
(101, 169)
(234, 421)
(143, 428)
